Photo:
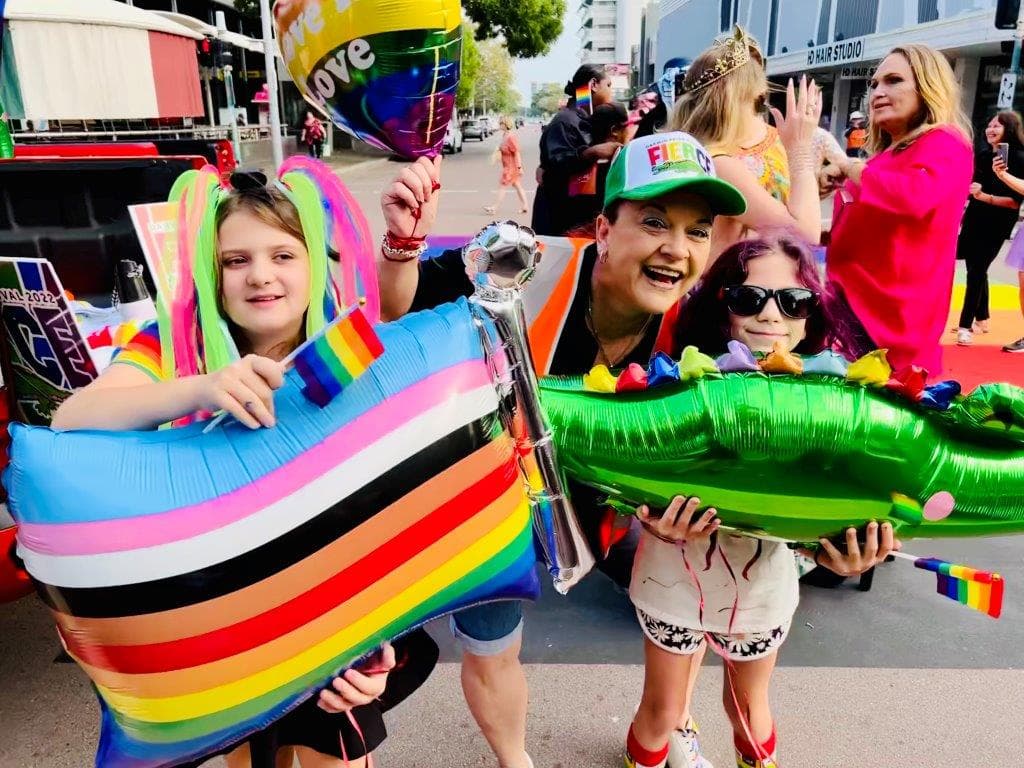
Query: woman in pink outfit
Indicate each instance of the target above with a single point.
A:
(894, 227)
(511, 167)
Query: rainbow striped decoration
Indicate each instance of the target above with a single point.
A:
(583, 98)
(335, 358)
(205, 604)
(980, 590)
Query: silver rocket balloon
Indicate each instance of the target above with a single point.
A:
(500, 261)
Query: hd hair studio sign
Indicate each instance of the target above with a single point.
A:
(836, 53)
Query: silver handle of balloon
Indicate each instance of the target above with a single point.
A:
(500, 261)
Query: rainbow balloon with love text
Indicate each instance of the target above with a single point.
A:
(383, 70)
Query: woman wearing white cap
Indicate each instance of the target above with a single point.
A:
(653, 241)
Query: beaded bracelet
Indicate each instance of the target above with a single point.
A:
(402, 249)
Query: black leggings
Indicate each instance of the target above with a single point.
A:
(978, 254)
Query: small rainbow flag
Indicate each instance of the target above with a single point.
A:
(980, 590)
(336, 357)
(583, 98)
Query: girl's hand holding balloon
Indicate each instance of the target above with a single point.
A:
(857, 560)
(355, 687)
(410, 202)
(680, 522)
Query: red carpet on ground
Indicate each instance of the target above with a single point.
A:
(984, 361)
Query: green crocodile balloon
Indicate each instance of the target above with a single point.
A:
(800, 456)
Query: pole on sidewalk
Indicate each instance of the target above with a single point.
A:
(1015, 59)
(269, 48)
(229, 86)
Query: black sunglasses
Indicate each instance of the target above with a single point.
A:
(748, 300)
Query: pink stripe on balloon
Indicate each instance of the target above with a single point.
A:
(131, 533)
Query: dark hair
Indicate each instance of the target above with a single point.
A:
(704, 319)
(584, 75)
(605, 119)
(1013, 130)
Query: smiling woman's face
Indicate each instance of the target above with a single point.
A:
(655, 251)
(760, 332)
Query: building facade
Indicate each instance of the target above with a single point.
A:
(840, 42)
(249, 68)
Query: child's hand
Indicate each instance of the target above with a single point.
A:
(856, 561)
(677, 524)
(245, 389)
(355, 688)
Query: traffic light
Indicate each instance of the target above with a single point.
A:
(1007, 12)
(223, 56)
(204, 50)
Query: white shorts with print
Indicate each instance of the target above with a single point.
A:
(745, 646)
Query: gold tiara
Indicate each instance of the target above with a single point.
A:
(731, 53)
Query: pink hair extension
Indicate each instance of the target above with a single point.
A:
(349, 235)
(191, 192)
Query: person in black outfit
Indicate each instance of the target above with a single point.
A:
(321, 735)
(565, 152)
(655, 116)
(989, 219)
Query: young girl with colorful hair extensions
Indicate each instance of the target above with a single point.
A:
(256, 278)
(736, 593)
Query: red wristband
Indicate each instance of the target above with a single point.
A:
(403, 243)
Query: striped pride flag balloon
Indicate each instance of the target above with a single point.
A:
(208, 583)
(386, 71)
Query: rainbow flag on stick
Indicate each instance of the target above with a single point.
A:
(583, 100)
(335, 358)
(980, 590)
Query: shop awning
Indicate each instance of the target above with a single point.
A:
(96, 60)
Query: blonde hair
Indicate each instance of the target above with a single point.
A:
(506, 124)
(707, 112)
(939, 93)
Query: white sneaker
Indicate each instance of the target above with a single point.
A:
(964, 337)
(684, 749)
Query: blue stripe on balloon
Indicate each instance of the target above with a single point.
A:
(180, 467)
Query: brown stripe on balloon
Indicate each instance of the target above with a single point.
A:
(255, 599)
(240, 666)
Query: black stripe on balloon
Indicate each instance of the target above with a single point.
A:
(283, 552)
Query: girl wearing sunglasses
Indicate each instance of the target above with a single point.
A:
(741, 593)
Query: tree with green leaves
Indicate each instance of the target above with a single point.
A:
(529, 27)
(547, 99)
(469, 69)
(494, 85)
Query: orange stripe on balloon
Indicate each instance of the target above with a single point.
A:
(242, 665)
(253, 600)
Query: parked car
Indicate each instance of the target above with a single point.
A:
(473, 129)
(452, 138)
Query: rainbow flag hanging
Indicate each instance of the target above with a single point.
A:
(980, 590)
(338, 356)
(583, 100)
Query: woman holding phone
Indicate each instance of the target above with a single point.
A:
(989, 218)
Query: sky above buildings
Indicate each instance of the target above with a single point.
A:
(558, 65)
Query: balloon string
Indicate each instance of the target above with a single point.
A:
(754, 559)
(723, 653)
(736, 590)
(712, 546)
(696, 583)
